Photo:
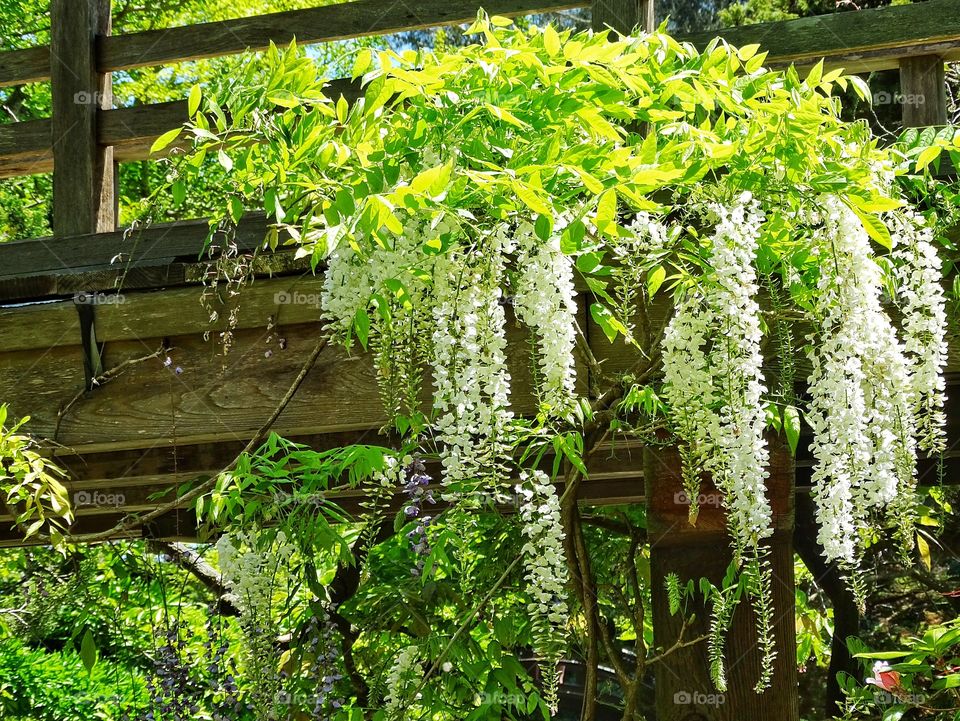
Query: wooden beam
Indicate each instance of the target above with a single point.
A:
(684, 690)
(923, 91)
(153, 245)
(858, 41)
(29, 65)
(623, 16)
(83, 192)
(361, 18)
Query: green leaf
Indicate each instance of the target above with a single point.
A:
(193, 102)
(361, 324)
(164, 140)
(608, 322)
(283, 98)
(924, 549)
(606, 220)
(362, 63)
(225, 160)
(179, 191)
(551, 41)
(874, 226)
(655, 280)
(791, 427)
(88, 651)
(927, 156)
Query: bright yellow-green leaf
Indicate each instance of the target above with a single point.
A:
(551, 40)
(924, 548)
(193, 102)
(927, 156)
(362, 63)
(606, 219)
(164, 140)
(874, 226)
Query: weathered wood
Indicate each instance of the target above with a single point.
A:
(923, 91)
(28, 65)
(83, 200)
(861, 41)
(684, 690)
(25, 148)
(142, 247)
(361, 18)
(623, 16)
(38, 327)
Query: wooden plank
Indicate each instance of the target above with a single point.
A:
(623, 16)
(38, 384)
(83, 193)
(182, 311)
(683, 687)
(862, 41)
(219, 396)
(156, 244)
(28, 65)
(362, 18)
(25, 148)
(923, 91)
(39, 327)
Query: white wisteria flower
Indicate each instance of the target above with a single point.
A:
(545, 301)
(546, 573)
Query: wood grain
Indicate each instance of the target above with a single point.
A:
(923, 91)
(684, 690)
(83, 174)
(361, 18)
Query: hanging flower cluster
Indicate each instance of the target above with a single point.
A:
(545, 300)
(251, 573)
(546, 574)
(471, 380)
(416, 490)
(920, 293)
(714, 380)
(861, 407)
(400, 681)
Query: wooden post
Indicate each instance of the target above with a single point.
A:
(83, 172)
(684, 691)
(923, 89)
(623, 15)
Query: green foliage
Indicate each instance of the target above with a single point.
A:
(31, 484)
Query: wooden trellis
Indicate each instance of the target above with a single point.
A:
(94, 299)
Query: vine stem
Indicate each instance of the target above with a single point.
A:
(132, 522)
(466, 624)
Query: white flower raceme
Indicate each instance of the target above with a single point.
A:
(861, 408)
(546, 573)
(714, 380)
(739, 460)
(400, 680)
(249, 572)
(546, 302)
(921, 297)
(472, 384)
